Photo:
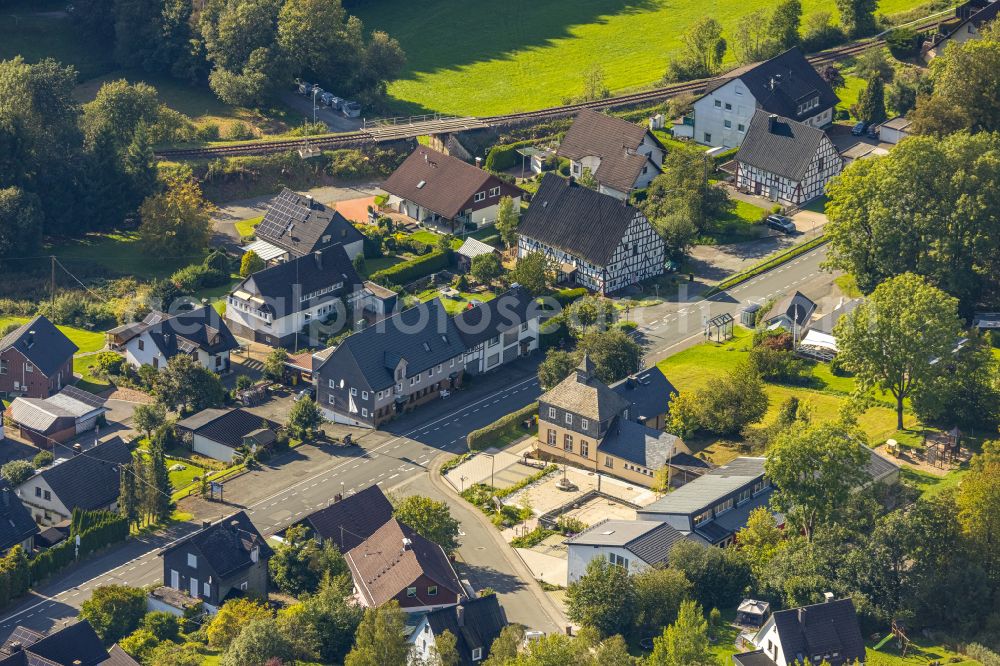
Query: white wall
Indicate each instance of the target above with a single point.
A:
(137, 357)
(710, 119)
(579, 556)
(422, 640)
(39, 506)
(206, 447)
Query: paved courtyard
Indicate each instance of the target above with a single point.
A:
(502, 469)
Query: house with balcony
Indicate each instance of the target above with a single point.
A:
(716, 505)
(499, 331)
(444, 191)
(298, 301)
(393, 366)
(824, 633)
(621, 156)
(296, 225)
(787, 85)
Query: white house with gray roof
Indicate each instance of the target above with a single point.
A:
(786, 161)
(786, 85)
(634, 545)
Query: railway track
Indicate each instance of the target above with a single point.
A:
(375, 135)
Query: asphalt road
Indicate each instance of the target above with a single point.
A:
(308, 477)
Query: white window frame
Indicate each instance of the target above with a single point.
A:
(354, 390)
(552, 412)
(569, 419)
(477, 654)
(479, 196)
(584, 423)
(192, 560)
(364, 395)
(494, 192)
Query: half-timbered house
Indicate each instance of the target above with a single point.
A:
(786, 161)
(595, 240)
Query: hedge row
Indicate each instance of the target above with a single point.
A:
(414, 269)
(15, 575)
(567, 296)
(766, 265)
(503, 156)
(109, 529)
(483, 437)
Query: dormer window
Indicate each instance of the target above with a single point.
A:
(569, 419)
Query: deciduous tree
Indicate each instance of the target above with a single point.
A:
(176, 222)
(251, 263)
(486, 269)
(304, 419)
(430, 519)
(531, 273)
(603, 598)
(114, 611)
(557, 366)
(507, 220)
(815, 470)
(379, 639)
(614, 352)
(258, 642)
(857, 17)
(147, 418)
(659, 593)
(232, 617)
(896, 338)
(685, 642)
(979, 507)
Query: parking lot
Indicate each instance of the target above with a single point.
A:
(334, 120)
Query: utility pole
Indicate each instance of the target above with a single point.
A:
(52, 285)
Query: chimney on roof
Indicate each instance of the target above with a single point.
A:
(15, 646)
(309, 200)
(318, 256)
(205, 524)
(827, 597)
(407, 544)
(460, 614)
(772, 121)
(426, 159)
(479, 162)
(255, 553)
(802, 615)
(77, 449)
(29, 341)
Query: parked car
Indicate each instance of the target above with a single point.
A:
(781, 223)
(304, 393)
(336, 103)
(305, 88)
(351, 109)
(872, 132)
(325, 98)
(859, 128)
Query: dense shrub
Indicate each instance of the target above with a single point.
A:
(198, 276)
(408, 271)
(504, 156)
(779, 365)
(100, 529)
(903, 42)
(488, 435)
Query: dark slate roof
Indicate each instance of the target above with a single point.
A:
(796, 306)
(23, 635)
(41, 343)
(119, 657)
(879, 467)
(786, 148)
(639, 444)
(755, 658)
(650, 540)
(89, 480)
(481, 621)
(226, 545)
(584, 394)
(382, 566)
(487, 320)
(782, 83)
(577, 220)
(226, 426)
(283, 285)
(16, 523)
(709, 488)
(423, 336)
(360, 515)
(203, 328)
(820, 629)
(75, 645)
(442, 183)
(301, 225)
(648, 393)
(613, 140)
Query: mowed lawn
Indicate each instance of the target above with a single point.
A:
(691, 369)
(486, 58)
(119, 253)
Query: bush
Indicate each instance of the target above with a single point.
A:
(207, 132)
(567, 296)
(487, 436)
(532, 538)
(414, 269)
(165, 626)
(17, 472)
(42, 459)
(903, 43)
(239, 131)
(198, 276)
(983, 654)
(778, 365)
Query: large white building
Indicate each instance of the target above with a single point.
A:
(634, 545)
(786, 85)
(594, 239)
(621, 156)
(786, 161)
(281, 305)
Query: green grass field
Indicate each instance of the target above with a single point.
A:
(246, 227)
(853, 85)
(454, 305)
(40, 29)
(920, 652)
(692, 368)
(740, 226)
(523, 54)
(119, 253)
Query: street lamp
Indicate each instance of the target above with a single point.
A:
(315, 90)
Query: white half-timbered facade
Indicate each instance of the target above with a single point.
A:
(786, 161)
(593, 239)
